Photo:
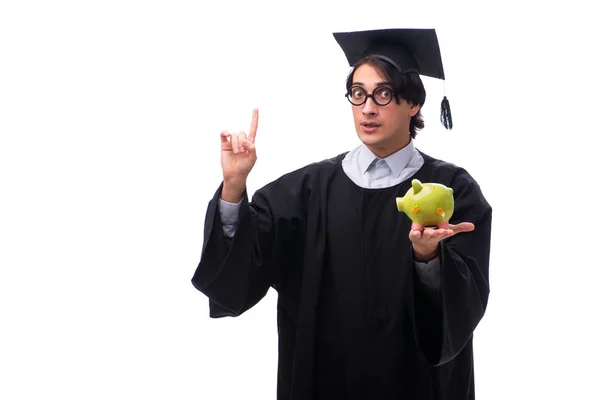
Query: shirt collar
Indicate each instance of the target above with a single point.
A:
(396, 161)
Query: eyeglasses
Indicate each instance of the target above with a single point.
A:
(382, 95)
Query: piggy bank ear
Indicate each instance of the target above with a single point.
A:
(451, 191)
(417, 186)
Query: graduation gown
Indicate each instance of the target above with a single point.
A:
(354, 320)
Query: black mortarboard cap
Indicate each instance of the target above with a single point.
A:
(415, 50)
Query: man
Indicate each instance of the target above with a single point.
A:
(370, 306)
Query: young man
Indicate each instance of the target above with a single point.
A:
(370, 306)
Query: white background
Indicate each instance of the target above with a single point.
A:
(110, 114)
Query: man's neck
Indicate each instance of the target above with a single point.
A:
(387, 150)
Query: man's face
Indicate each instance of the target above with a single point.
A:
(384, 129)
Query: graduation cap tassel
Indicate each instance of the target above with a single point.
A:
(446, 116)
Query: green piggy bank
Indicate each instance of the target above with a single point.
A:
(428, 204)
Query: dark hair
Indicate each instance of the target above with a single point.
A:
(406, 85)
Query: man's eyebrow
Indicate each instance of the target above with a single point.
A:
(377, 84)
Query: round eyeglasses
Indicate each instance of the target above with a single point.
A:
(382, 95)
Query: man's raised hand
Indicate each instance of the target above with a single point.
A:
(238, 156)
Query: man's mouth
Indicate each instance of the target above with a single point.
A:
(370, 127)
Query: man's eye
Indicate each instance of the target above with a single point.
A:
(358, 93)
(384, 93)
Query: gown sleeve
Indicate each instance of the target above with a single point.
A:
(445, 320)
(236, 272)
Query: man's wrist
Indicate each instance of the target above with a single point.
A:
(424, 256)
(233, 190)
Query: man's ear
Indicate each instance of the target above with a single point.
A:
(414, 109)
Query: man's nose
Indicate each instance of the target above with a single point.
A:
(369, 108)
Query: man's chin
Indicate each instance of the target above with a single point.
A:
(371, 139)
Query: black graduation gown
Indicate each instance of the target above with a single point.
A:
(354, 320)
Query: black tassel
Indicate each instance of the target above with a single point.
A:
(446, 116)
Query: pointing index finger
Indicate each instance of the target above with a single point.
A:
(253, 125)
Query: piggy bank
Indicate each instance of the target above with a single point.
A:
(428, 204)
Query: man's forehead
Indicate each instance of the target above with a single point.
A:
(368, 74)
